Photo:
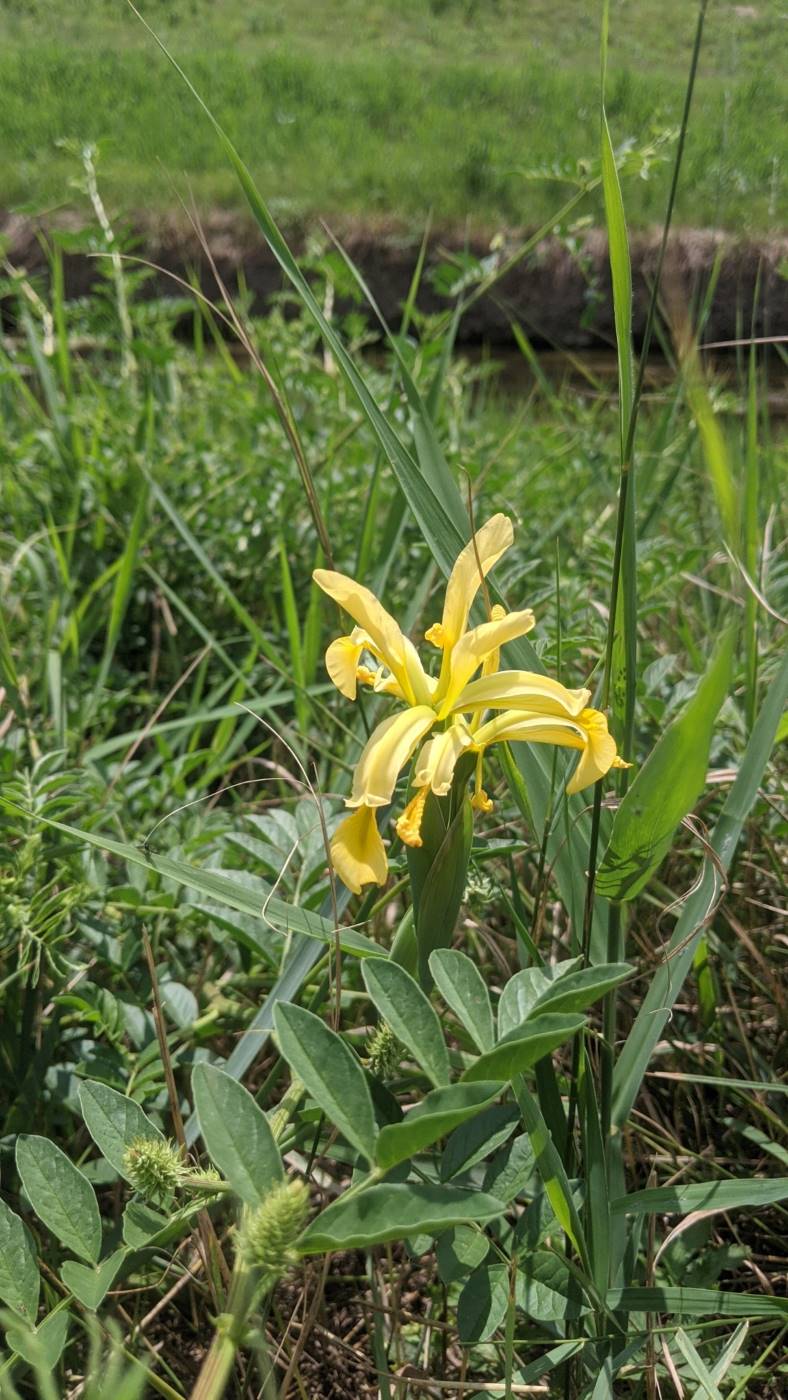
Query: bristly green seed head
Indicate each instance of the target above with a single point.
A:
(153, 1167)
(272, 1229)
(384, 1052)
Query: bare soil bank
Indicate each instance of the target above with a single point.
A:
(560, 297)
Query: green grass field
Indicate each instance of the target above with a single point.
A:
(372, 110)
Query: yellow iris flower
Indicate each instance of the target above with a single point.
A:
(447, 711)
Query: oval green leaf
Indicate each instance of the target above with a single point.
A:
(523, 1047)
(478, 1139)
(114, 1122)
(19, 1279)
(579, 990)
(463, 989)
(331, 1073)
(60, 1196)
(236, 1133)
(433, 1118)
(90, 1285)
(41, 1346)
(414, 1021)
(394, 1212)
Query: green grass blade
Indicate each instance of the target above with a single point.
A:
(667, 982)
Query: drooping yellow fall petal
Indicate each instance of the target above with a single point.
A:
(385, 754)
(599, 753)
(588, 733)
(436, 763)
(342, 659)
(357, 851)
(386, 638)
(521, 690)
(472, 648)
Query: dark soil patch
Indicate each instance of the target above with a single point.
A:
(561, 297)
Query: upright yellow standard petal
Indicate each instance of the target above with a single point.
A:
(521, 690)
(357, 851)
(473, 563)
(385, 637)
(436, 763)
(472, 648)
(385, 754)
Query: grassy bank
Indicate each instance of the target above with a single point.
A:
(348, 108)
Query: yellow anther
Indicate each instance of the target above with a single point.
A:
(497, 613)
(366, 675)
(436, 635)
(480, 802)
(409, 823)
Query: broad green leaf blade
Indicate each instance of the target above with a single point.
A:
(435, 1116)
(546, 1289)
(331, 1073)
(42, 1346)
(520, 995)
(702, 1195)
(480, 1138)
(19, 1280)
(697, 1302)
(511, 1173)
(523, 1047)
(482, 1304)
(459, 1251)
(60, 1196)
(579, 990)
(144, 1227)
(669, 977)
(462, 987)
(438, 870)
(90, 1286)
(543, 1291)
(666, 788)
(394, 1212)
(403, 1004)
(236, 1134)
(114, 1122)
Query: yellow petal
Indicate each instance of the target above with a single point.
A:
(386, 752)
(436, 762)
(357, 851)
(588, 732)
(342, 661)
(522, 690)
(599, 754)
(471, 650)
(386, 639)
(473, 563)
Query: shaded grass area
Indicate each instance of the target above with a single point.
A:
(348, 109)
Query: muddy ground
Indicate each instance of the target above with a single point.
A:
(560, 295)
